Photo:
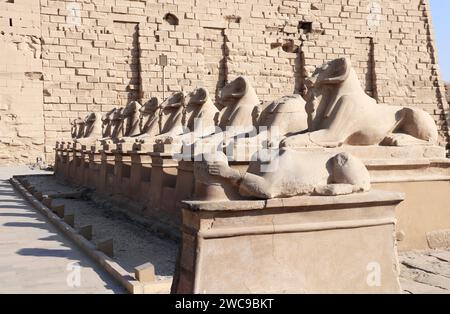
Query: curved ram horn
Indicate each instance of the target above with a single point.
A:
(343, 73)
(241, 82)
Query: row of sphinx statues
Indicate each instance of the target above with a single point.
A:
(335, 112)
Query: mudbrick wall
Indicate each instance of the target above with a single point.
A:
(97, 54)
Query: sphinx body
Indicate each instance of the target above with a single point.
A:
(236, 119)
(76, 131)
(239, 101)
(116, 126)
(287, 173)
(106, 123)
(74, 128)
(287, 114)
(80, 124)
(123, 122)
(130, 119)
(184, 118)
(92, 130)
(147, 127)
(170, 119)
(201, 114)
(106, 129)
(111, 127)
(274, 121)
(199, 120)
(339, 112)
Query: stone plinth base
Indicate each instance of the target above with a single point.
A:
(421, 172)
(141, 171)
(340, 244)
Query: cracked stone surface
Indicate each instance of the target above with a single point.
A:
(425, 272)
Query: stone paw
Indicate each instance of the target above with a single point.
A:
(399, 139)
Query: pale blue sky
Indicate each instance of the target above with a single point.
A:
(441, 19)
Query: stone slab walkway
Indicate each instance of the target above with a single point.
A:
(35, 257)
(425, 272)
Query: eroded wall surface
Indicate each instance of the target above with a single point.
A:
(21, 82)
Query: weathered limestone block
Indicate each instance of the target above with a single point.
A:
(325, 244)
(107, 126)
(93, 173)
(67, 157)
(116, 121)
(106, 247)
(85, 168)
(23, 132)
(145, 273)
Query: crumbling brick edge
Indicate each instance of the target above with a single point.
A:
(123, 277)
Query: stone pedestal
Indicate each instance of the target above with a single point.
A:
(162, 187)
(421, 172)
(93, 176)
(58, 161)
(426, 209)
(126, 147)
(86, 168)
(107, 175)
(141, 170)
(342, 244)
(77, 168)
(185, 185)
(122, 174)
(67, 159)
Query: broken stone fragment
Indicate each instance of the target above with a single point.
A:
(145, 273)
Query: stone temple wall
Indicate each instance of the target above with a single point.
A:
(447, 87)
(21, 82)
(97, 54)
